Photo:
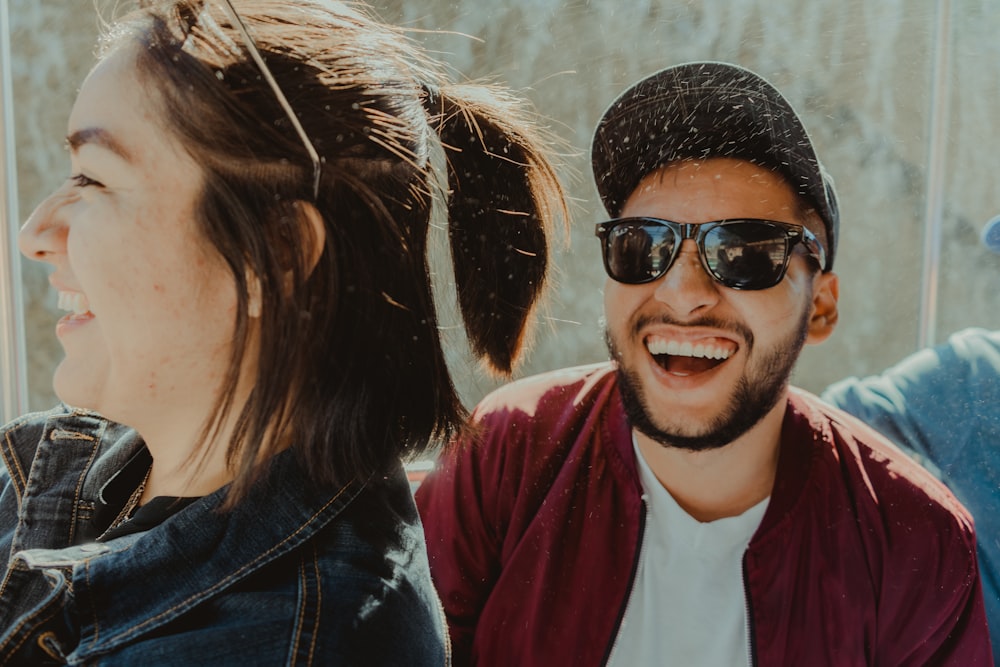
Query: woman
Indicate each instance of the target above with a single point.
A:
(252, 345)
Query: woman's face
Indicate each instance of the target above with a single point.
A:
(152, 304)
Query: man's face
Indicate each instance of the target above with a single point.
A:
(701, 363)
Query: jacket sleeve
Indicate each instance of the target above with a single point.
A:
(935, 618)
(465, 515)
(458, 507)
(943, 403)
(920, 547)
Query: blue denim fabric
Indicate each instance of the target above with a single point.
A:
(293, 576)
(943, 403)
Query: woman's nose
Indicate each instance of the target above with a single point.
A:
(44, 233)
(687, 289)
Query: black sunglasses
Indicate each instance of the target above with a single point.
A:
(192, 15)
(744, 254)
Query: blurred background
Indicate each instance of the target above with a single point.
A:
(900, 97)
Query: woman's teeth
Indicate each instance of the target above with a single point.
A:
(687, 349)
(74, 302)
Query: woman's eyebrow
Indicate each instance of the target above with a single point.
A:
(100, 137)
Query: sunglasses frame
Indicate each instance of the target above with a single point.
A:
(793, 235)
(251, 46)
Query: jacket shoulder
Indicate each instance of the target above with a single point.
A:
(546, 400)
(882, 479)
(535, 422)
(914, 538)
(854, 521)
(385, 610)
(372, 555)
(566, 383)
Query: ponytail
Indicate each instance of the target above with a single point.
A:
(504, 197)
(349, 360)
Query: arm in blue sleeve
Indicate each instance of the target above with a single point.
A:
(937, 401)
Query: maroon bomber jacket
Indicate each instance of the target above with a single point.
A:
(533, 530)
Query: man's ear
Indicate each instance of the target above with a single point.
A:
(824, 308)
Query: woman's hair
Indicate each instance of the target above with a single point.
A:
(351, 371)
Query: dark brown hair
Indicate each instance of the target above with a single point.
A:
(351, 371)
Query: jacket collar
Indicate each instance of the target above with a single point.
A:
(803, 434)
(134, 584)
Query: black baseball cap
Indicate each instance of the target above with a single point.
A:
(703, 110)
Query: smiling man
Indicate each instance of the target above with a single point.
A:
(682, 505)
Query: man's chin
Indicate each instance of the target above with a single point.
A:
(740, 412)
(707, 440)
(753, 396)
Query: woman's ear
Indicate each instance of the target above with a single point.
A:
(824, 308)
(313, 240)
(313, 234)
(254, 298)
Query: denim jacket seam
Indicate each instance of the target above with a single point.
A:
(11, 460)
(49, 609)
(53, 431)
(300, 625)
(127, 633)
(78, 491)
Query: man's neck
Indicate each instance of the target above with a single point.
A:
(722, 482)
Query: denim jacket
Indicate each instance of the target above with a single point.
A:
(292, 576)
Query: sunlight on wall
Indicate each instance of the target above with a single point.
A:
(860, 73)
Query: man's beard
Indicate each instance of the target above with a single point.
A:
(756, 393)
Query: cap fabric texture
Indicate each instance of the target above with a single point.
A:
(703, 110)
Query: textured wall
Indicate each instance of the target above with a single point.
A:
(861, 74)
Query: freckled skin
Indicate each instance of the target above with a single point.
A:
(163, 301)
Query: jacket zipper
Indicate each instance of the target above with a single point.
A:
(751, 643)
(640, 549)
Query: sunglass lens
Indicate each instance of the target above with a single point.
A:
(747, 255)
(638, 251)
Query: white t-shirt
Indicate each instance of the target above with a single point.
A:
(687, 605)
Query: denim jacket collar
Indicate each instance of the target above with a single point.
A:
(191, 556)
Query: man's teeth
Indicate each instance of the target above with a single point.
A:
(75, 302)
(687, 349)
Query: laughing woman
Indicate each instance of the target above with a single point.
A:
(251, 345)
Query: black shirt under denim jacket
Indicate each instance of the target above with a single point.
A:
(292, 576)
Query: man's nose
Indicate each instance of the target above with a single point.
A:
(687, 288)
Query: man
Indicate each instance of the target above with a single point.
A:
(941, 404)
(682, 505)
